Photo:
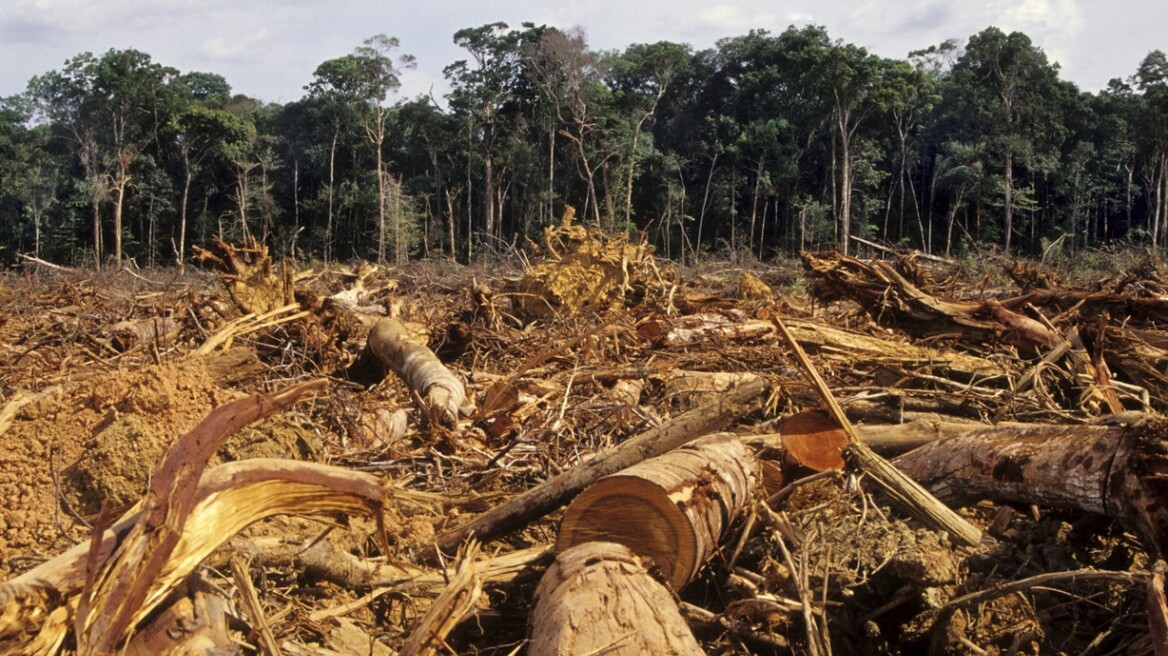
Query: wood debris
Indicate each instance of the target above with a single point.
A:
(595, 396)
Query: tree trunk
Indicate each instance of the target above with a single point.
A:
(671, 509)
(597, 598)
(538, 501)
(1118, 471)
(443, 394)
(179, 254)
(1009, 219)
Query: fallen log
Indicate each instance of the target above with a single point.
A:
(670, 510)
(538, 501)
(1117, 470)
(443, 394)
(904, 491)
(827, 341)
(892, 300)
(597, 598)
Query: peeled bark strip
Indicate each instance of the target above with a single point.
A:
(548, 496)
(1120, 471)
(228, 498)
(671, 509)
(440, 390)
(111, 606)
(597, 598)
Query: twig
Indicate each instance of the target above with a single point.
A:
(252, 606)
(909, 494)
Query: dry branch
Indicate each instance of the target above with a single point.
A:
(671, 509)
(911, 497)
(548, 496)
(455, 602)
(442, 393)
(597, 598)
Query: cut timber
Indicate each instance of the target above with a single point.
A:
(538, 501)
(597, 598)
(1119, 471)
(671, 509)
(814, 440)
(441, 391)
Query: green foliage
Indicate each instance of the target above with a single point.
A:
(763, 144)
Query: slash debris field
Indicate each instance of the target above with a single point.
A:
(589, 451)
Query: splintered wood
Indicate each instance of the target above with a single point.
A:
(574, 447)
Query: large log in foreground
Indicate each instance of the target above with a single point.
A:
(671, 509)
(1121, 471)
(597, 598)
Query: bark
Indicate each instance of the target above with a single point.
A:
(1117, 470)
(598, 598)
(443, 394)
(540, 500)
(892, 300)
(670, 510)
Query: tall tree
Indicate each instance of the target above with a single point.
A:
(365, 79)
(112, 108)
(1003, 83)
(483, 89)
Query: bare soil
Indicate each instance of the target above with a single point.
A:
(85, 417)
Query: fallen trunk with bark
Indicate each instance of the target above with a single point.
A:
(597, 598)
(1117, 470)
(442, 393)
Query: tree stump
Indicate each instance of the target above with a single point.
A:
(671, 509)
(597, 598)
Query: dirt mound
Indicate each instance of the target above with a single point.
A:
(92, 442)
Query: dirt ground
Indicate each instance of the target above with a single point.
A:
(100, 374)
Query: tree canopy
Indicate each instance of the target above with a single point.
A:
(764, 144)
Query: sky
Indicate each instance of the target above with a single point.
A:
(268, 49)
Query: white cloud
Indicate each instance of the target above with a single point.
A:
(727, 19)
(238, 49)
(1058, 16)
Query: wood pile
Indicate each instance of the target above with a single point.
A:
(595, 455)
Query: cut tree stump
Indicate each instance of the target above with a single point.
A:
(597, 598)
(1117, 470)
(551, 494)
(442, 393)
(671, 509)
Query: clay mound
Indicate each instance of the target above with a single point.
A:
(586, 268)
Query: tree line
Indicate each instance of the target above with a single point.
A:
(764, 144)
